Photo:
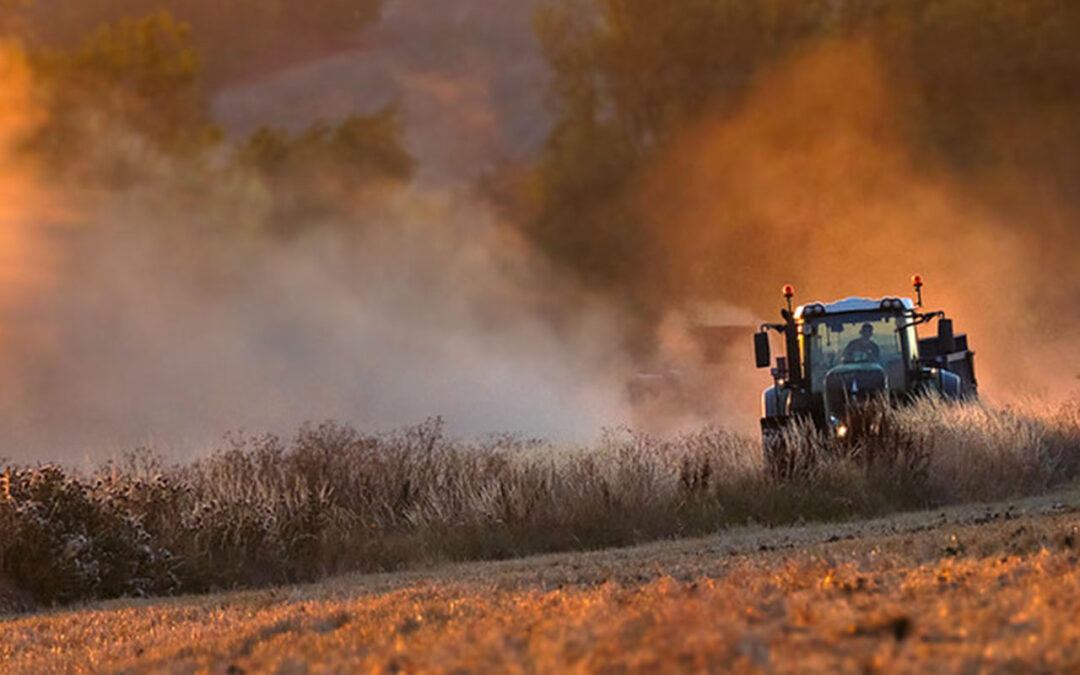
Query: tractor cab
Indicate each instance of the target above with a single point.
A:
(855, 350)
(858, 335)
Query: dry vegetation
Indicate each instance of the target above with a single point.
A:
(992, 588)
(627, 89)
(264, 512)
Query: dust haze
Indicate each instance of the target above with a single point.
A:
(811, 183)
(156, 320)
(468, 75)
(147, 316)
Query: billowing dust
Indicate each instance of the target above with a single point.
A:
(155, 315)
(27, 208)
(150, 316)
(812, 183)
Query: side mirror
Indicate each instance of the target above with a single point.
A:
(762, 354)
(946, 338)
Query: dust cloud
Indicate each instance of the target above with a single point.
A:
(432, 309)
(813, 182)
(27, 208)
(155, 315)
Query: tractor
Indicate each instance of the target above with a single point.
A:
(844, 357)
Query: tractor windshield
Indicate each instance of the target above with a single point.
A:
(856, 337)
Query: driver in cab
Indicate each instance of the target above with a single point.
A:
(862, 349)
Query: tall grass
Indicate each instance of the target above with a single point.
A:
(263, 510)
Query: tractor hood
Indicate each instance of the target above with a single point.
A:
(853, 383)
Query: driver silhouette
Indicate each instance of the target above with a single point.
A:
(862, 349)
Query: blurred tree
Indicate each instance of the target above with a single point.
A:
(129, 103)
(150, 60)
(626, 75)
(982, 66)
(236, 37)
(139, 77)
(13, 16)
(360, 147)
(324, 170)
(985, 85)
(9, 8)
(372, 144)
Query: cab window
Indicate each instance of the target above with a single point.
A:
(851, 339)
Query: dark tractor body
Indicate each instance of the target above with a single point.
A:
(843, 355)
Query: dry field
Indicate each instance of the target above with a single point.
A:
(963, 589)
(266, 511)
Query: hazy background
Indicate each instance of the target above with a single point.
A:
(215, 216)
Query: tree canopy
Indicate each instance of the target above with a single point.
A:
(129, 98)
(975, 86)
(236, 37)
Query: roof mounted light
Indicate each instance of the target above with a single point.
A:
(789, 293)
(917, 282)
(892, 303)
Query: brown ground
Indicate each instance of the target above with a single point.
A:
(994, 587)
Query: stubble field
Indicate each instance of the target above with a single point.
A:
(964, 589)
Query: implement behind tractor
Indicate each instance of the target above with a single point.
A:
(846, 355)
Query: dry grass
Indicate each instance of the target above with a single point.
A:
(263, 512)
(996, 594)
